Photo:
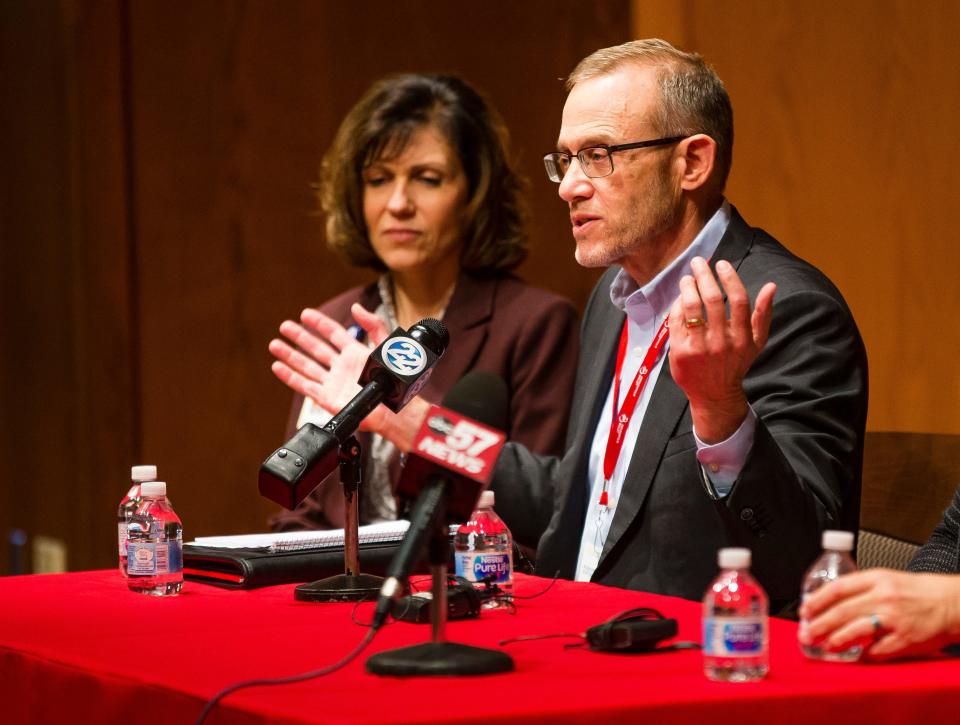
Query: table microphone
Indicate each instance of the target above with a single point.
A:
(450, 463)
(394, 373)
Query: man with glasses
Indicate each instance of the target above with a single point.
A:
(698, 423)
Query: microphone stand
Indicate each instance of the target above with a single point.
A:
(439, 657)
(351, 586)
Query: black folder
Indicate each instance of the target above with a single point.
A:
(260, 567)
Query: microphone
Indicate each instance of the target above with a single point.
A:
(394, 373)
(449, 465)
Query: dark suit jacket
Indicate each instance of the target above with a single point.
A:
(941, 553)
(809, 390)
(499, 325)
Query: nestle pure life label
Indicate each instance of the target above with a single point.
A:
(477, 567)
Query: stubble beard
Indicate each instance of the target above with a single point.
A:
(642, 229)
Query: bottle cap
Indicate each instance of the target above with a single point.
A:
(733, 558)
(143, 473)
(153, 488)
(487, 499)
(838, 540)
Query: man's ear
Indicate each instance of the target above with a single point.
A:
(698, 154)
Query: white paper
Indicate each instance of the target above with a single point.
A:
(289, 540)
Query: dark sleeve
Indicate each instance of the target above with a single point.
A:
(809, 390)
(524, 484)
(323, 508)
(941, 554)
(543, 368)
(524, 480)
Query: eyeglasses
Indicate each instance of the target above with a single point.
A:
(596, 161)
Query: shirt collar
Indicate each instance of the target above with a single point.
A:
(659, 293)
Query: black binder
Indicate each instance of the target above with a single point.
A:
(251, 568)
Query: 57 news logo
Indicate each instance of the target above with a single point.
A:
(460, 443)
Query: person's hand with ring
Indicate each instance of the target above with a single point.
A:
(890, 613)
(710, 353)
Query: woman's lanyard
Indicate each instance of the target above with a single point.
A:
(620, 423)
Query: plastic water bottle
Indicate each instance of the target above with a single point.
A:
(128, 505)
(154, 544)
(484, 548)
(835, 561)
(735, 613)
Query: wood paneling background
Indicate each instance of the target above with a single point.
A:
(158, 224)
(156, 211)
(844, 151)
(69, 399)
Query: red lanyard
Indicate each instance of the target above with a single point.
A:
(620, 423)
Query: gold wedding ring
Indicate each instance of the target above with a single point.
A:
(694, 322)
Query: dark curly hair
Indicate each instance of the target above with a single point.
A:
(380, 126)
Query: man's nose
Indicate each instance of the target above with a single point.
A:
(575, 184)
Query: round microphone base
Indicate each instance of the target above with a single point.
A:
(439, 658)
(340, 588)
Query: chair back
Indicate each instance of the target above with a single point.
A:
(909, 480)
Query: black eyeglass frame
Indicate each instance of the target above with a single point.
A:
(549, 158)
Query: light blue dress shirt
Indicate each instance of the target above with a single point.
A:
(646, 307)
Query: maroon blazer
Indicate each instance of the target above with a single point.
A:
(500, 325)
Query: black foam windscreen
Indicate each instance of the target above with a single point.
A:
(432, 334)
(483, 397)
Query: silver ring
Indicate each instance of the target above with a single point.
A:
(877, 626)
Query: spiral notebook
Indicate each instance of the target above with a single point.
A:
(302, 540)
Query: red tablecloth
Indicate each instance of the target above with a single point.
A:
(81, 648)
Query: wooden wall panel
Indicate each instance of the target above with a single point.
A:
(104, 305)
(67, 434)
(844, 152)
(34, 344)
